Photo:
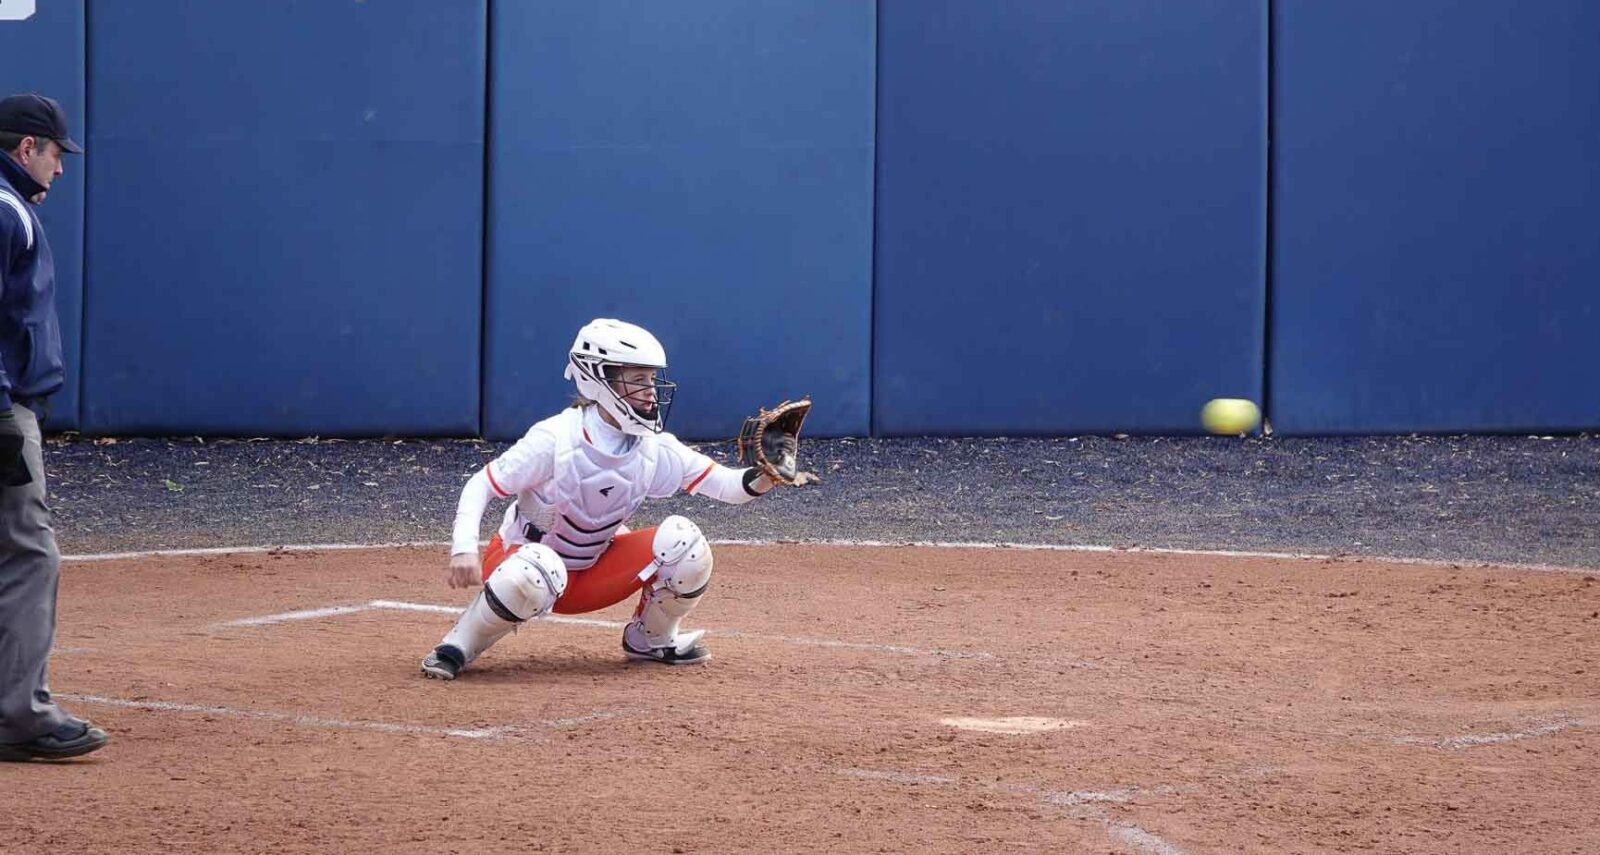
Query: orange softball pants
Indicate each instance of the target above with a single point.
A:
(609, 581)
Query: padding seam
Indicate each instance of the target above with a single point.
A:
(549, 585)
(498, 607)
(579, 543)
(605, 527)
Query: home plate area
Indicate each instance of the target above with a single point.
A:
(859, 698)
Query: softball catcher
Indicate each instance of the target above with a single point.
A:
(577, 477)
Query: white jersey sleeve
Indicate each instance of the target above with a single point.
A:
(474, 500)
(525, 465)
(683, 468)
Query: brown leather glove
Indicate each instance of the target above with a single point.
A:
(770, 442)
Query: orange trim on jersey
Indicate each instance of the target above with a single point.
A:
(612, 579)
(499, 490)
(696, 482)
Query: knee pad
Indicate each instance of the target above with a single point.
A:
(527, 584)
(682, 557)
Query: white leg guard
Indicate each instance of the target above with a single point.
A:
(683, 571)
(525, 586)
(476, 630)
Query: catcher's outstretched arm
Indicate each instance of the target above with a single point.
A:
(734, 486)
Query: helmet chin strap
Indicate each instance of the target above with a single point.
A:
(611, 419)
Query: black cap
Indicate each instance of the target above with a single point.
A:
(36, 116)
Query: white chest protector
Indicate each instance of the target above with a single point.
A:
(589, 497)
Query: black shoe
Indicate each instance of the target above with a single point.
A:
(74, 738)
(687, 651)
(444, 663)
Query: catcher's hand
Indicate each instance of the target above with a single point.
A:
(464, 571)
(771, 443)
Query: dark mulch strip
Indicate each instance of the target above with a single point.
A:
(1495, 499)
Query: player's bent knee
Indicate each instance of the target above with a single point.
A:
(682, 557)
(527, 584)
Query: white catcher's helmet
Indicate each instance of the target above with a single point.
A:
(602, 347)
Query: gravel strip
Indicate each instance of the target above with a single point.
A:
(1474, 499)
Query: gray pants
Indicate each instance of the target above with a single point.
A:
(30, 567)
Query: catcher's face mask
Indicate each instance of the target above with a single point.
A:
(643, 389)
(638, 401)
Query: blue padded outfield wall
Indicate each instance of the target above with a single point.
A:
(942, 217)
(44, 54)
(703, 169)
(1437, 216)
(286, 217)
(1071, 214)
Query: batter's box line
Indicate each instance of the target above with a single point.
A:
(393, 605)
(1555, 724)
(1084, 804)
(504, 732)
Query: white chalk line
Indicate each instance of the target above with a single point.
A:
(1470, 740)
(855, 645)
(1346, 558)
(285, 617)
(1024, 725)
(506, 732)
(1083, 803)
(1141, 840)
(245, 550)
(389, 605)
(333, 611)
(394, 605)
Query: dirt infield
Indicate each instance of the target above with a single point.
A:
(271, 702)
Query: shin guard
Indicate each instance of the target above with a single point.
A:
(524, 586)
(683, 572)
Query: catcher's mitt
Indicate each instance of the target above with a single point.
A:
(771, 443)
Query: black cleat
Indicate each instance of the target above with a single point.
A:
(444, 663)
(687, 651)
(73, 739)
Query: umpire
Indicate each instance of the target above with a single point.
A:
(33, 136)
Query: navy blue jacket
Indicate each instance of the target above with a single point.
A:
(31, 365)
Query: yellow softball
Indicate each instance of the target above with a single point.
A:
(1230, 416)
